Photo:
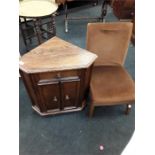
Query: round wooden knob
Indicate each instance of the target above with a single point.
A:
(67, 97)
(58, 75)
(55, 99)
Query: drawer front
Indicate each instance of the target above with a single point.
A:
(70, 92)
(58, 74)
(50, 92)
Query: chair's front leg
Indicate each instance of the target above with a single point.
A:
(91, 111)
(128, 109)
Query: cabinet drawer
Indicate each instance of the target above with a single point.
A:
(58, 74)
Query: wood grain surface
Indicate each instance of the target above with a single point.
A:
(56, 54)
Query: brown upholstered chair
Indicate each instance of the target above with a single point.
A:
(110, 84)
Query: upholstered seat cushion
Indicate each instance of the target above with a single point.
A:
(111, 85)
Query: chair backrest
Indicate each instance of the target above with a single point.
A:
(109, 41)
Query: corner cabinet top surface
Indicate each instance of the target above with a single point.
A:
(54, 55)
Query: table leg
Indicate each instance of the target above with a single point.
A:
(22, 33)
(53, 25)
(51, 28)
(37, 26)
(66, 17)
(104, 10)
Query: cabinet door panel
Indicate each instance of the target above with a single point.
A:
(70, 92)
(51, 93)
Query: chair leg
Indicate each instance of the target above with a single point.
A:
(91, 111)
(128, 109)
(66, 17)
(104, 10)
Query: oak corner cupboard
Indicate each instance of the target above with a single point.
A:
(56, 75)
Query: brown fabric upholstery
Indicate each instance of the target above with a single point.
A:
(110, 83)
(109, 41)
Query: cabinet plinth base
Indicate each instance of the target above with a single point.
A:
(58, 111)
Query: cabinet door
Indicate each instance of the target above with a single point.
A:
(50, 93)
(70, 92)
